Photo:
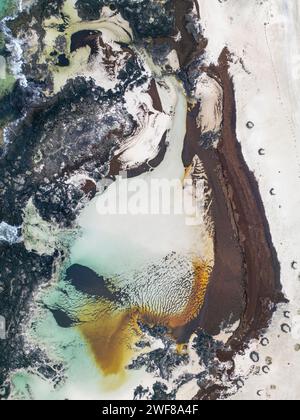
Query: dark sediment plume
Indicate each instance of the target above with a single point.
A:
(245, 282)
(262, 277)
(186, 47)
(61, 318)
(87, 281)
(248, 251)
(246, 276)
(63, 61)
(153, 163)
(211, 393)
(226, 284)
(153, 92)
(197, 8)
(89, 188)
(116, 167)
(85, 38)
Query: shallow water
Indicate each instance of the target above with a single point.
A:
(8, 7)
(98, 350)
(156, 265)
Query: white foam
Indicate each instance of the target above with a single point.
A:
(266, 36)
(15, 47)
(9, 233)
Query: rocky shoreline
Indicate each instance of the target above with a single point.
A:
(39, 158)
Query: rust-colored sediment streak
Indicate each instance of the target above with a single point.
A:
(262, 277)
(193, 307)
(226, 285)
(259, 269)
(111, 332)
(202, 277)
(245, 282)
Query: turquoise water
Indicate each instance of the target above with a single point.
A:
(7, 7)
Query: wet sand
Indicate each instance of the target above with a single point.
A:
(245, 281)
(248, 252)
(246, 276)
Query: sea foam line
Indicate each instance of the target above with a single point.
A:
(10, 234)
(14, 46)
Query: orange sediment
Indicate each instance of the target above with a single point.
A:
(111, 332)
(202, 274)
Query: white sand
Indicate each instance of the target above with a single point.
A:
(268, 96)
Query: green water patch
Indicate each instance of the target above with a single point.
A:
(6, 85)
(7, 7)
